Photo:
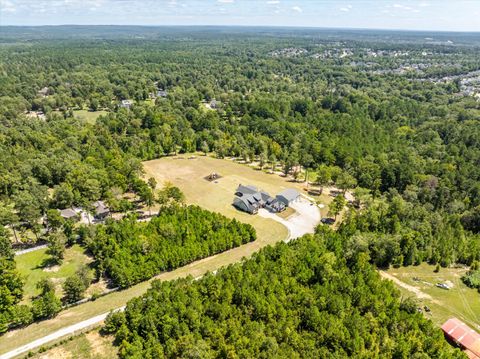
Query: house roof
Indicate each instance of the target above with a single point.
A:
(463, 335)
(248, 200)
(289, 194)
(247, 189)
(68, 213)
(100, 207)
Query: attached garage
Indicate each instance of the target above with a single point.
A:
(288, 196)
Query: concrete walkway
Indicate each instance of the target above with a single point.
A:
(28, 250)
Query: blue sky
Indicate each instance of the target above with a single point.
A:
(447, 15)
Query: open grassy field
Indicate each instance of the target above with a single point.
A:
(88, 116)
(90, 345)
(189, 175)
(31, 267)
(460, 301)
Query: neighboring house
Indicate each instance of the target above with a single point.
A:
(288, 196)
(213, 104)
(126, 103)
(464, 336)
(162, 93)
(68, 213)
(100, 210)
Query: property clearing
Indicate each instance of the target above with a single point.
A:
(88, 116)
(420, 282)
(31, 266)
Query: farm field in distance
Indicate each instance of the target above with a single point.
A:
(459, 301)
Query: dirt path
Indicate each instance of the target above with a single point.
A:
(418, 293)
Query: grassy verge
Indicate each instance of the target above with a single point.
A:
(90, 345)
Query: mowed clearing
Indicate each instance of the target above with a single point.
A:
(188, 175)
(459, 301)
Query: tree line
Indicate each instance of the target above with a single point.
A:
(296, 300)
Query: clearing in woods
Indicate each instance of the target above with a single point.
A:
(32, 266)
(420, 282)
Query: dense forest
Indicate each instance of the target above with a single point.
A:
(394, 116)
(296, 300)
(130, 251)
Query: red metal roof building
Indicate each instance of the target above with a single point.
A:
(467, 338)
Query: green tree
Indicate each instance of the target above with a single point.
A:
(73, 289)
(46, 305)
(56, 247)
(336, 206)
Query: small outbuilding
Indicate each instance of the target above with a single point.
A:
(126, 103)
(288, 196)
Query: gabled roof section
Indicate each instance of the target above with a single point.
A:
(290, 194)
(246, 189)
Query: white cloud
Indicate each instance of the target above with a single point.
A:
(7, 6)
(273, 2)
(297, 9)
(403, 7)
(226, 1)
(344, 9)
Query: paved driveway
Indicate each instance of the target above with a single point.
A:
(304, 221)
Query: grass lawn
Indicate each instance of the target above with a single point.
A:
(460, 301)
(30, 266)
(287, 213)
(88, 116)
(90, 345)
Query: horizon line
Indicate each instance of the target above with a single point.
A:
(251, 26)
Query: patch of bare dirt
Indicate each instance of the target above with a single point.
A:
(97, 343)
(56, 353)
(418, 293)
(52, 269)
